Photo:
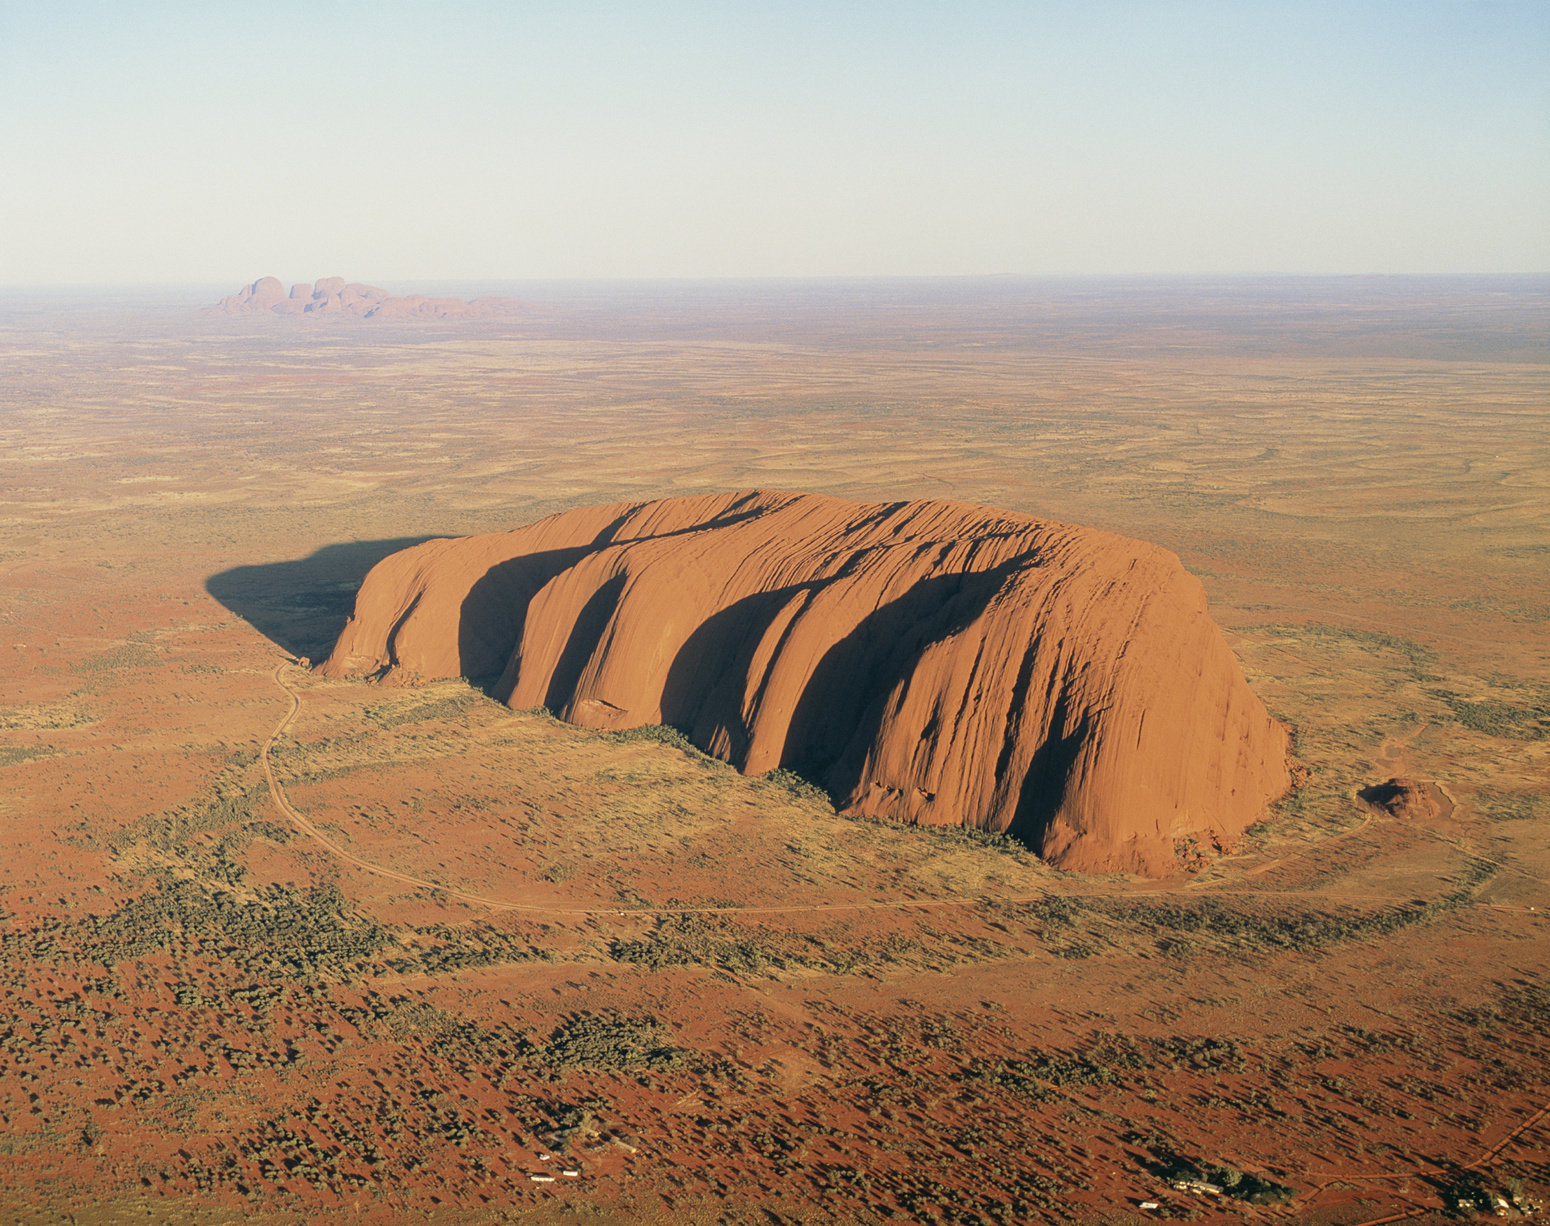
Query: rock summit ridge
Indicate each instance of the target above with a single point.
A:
(928, 661)
(333, 296)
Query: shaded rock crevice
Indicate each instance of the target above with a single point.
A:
(930, 662)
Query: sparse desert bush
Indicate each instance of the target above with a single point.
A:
(11, 755)
(596, 1042)
(394, 715)
(1239, 1185)
(1419, 657)
(697, 940)
(1062, 1070)
(1518, 1012)
(282, 933)
(797, 785)
(269, 830)
(438, 948)
(720, 941)
(1465, 1194)
(662, 734)
(1512, 806)
(1512, 721)
(1190, 928)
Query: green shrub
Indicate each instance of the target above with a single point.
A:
(610, 1043)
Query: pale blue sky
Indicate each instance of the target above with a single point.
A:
(388, 142)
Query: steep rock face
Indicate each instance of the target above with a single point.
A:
(930, 662)
(332, 296)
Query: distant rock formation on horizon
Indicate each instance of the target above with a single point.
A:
(333, 296)
(930, 662)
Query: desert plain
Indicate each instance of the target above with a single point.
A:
(276, 948)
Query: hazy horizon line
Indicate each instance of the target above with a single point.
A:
(785, 279)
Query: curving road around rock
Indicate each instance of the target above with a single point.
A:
(282, 802)
(302, 825)
(277, 793)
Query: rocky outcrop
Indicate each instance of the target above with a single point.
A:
(332, 296)
(929, 662)
(1415, 800)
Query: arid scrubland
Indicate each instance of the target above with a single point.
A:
(710, 995)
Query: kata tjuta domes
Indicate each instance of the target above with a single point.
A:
(333, 296)
(930, 662)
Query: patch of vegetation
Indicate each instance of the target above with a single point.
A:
(1190, 926)
(1519, 1011)
(269, 830)
(412, 1019)
(664, 734)
(43, 717)
(1512, 806)
(720, 941)
(171, 832)
(1199, 1054)
(281, 933)
(1465, 1194)
(439, 948)
(1059, 921)
(1016, 1076)
(1113, 1060)
(661, 734)
(594, 1042)
(697, 940)
(568, 1122)
(1511, 721)
(1056, 911)
(11, 755)
(1020, 1194)
(967, 836)
(131, 654)
(260, 997)
(797, 785)
(394, 715)
(1239, 1185)
(1067, 1071)
(1420, 658)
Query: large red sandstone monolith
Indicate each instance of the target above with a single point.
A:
(930, 662)
(332, 296)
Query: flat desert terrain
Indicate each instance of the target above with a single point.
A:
(282, 949)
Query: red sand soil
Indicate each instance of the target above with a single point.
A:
(472, 937)
(930, 662)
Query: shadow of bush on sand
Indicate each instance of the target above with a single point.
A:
(302, 604)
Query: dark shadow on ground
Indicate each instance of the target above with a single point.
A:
(301, 605)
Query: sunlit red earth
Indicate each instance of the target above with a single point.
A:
(476, 937)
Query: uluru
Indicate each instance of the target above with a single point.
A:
(930, 662)
(335, 296)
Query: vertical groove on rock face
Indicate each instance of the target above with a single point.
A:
(1019, 698)
(392, 636)
(930, 662)
(580, 652)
